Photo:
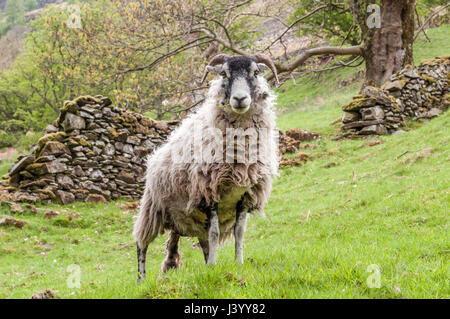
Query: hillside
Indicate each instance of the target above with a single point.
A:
(11, 45)
(355, 206)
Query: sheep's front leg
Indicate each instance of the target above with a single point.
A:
(141, 255)
(239, 229)
(213, 234)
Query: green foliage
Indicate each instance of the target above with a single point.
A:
(30, 5)
(426, 7)
(22, 108)
(13, 14)
(335, 23)
(7, 139)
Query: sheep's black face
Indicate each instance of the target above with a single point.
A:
(239, 81)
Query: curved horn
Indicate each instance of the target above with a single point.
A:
(218, 59)
(261, 58)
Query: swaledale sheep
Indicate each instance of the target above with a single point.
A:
(209, 195)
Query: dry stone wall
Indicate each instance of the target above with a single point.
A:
(412, 92)
(94, 151)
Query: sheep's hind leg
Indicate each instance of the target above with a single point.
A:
(213, 235)
(239, 229)
(205, 248)
(141, 255)
(173, 258)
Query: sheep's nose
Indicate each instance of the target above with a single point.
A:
(239, 100)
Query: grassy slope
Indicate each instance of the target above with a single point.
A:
(324, 226)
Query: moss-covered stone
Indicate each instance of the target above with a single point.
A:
(117, 135)
(36, 168)
(428, 78)
(54, 148)
(58, 136)
(359, 103)
(83, 142)
(46, 194)
(70, 106)
(87, 99)
(96, 198)
(46, 168)
(147, 122)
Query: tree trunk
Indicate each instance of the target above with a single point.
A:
(387, 49)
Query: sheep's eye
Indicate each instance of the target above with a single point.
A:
(256, 72)
(224, 74)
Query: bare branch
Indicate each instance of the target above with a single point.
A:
(301, 19)
(353, 50)
(428, 20)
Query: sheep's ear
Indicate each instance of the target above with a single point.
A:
(262, 67)
(214, 69)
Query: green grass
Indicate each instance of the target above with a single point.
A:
(348, 207)
(4, 167)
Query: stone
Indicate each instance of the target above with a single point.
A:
(65, 181)
(44, 194)
(149, 144)
(96, 198)
(97, 150)
(51, 129)
(50, 214)
(119, 146)
(127, 177)
(88, 109)
(46, 294)
(13, 207)
(46, 158)
(65, 197)
(96, 175)
(91, 187)
(54, 148)
(109, 150)
(372, 113)
(86, 115)
(350, 117)
(25, 197)
(12, 221)
(300, 135)
(359, 103)
(161, 125)
(73, 122)
(411, 73)
(25, 174)
(47, 168)
(394, 86)
(133, 140)
(20, 165)
(373, 129)
(41, 182)
(433, 112)
(361, 124)
(128, 148)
